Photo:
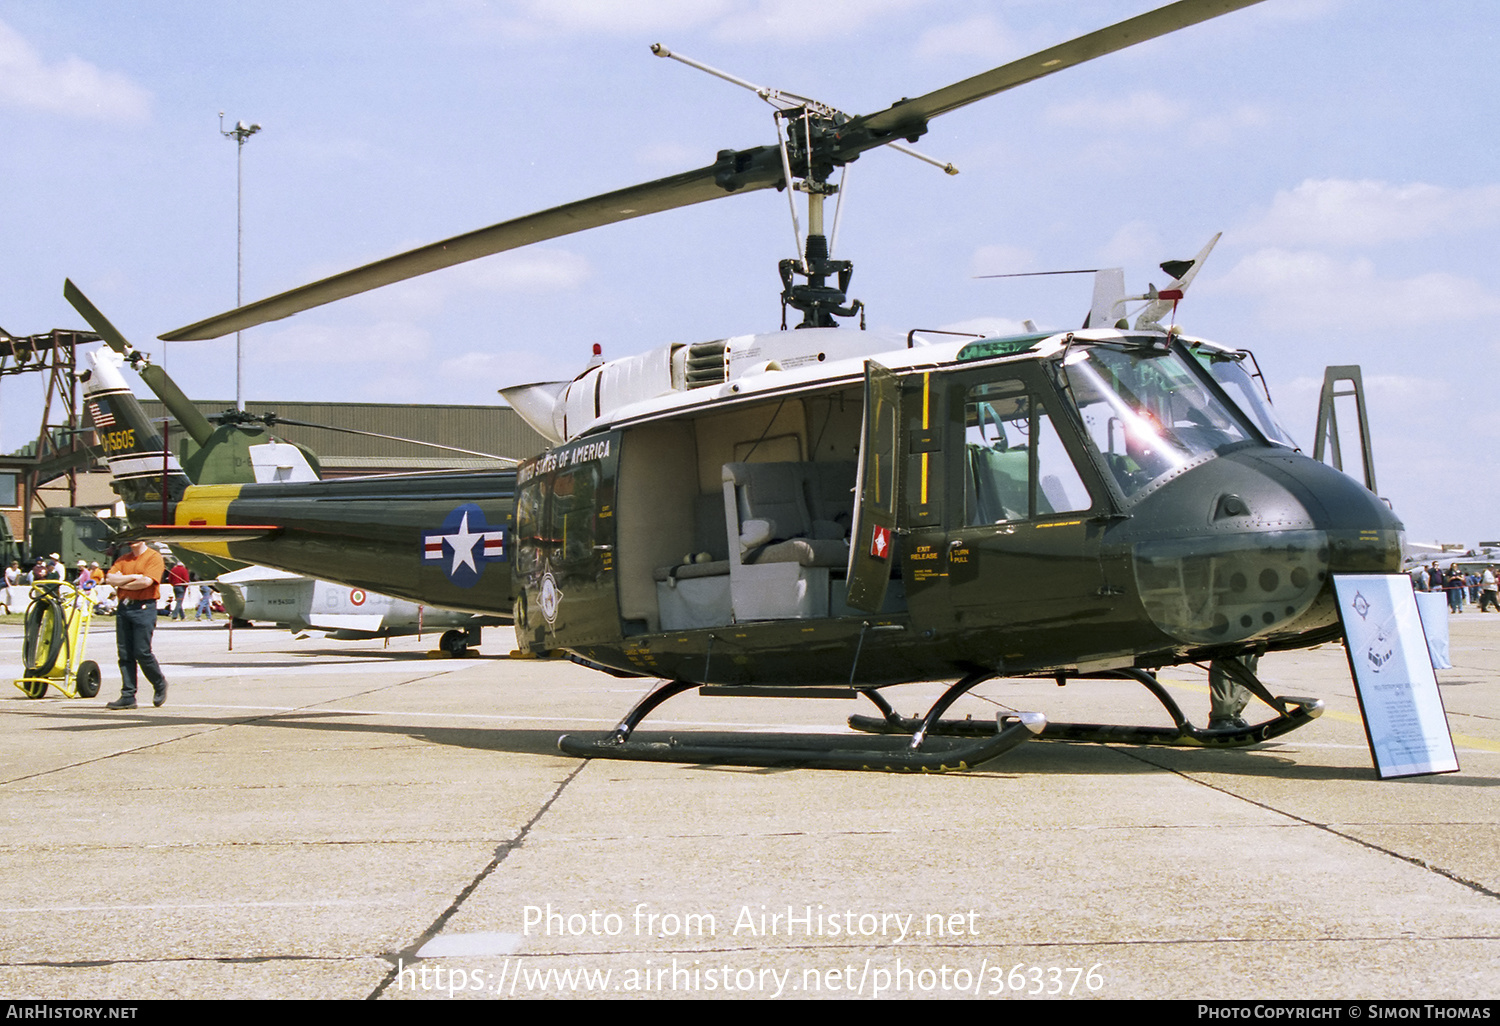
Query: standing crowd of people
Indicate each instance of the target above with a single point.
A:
(16, 594)
(90, 577)
(1474, 587)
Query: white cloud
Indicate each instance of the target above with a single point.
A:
(1321, 291)
(980, 36)
(1134, 243)
(528, 271)
(70, 86)
(743, 21)
(673, 157)
(542, 270)
(1148, 111)
(1143, 109)
(609, 17)
(1001, 259)
(794, 22)
(531, 20)
(1338, 212)
(1227, 126)
(382, 342)
(1298, 10)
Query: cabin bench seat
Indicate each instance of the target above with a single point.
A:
(785, 527)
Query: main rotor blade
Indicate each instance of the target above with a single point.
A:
(910, 117)
(735, 171)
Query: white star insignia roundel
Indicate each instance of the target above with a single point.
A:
(463, 545)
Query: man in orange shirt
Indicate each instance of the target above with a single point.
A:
(137, 576)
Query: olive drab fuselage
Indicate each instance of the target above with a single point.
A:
(1031, 526)
(1080, 502)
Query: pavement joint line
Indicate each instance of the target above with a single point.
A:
(501, 853)
(785, 728)
(169, 906)
(1070, 943)
(290, 842)
(1075, 942)
(103, 963)
(207, 729)
(1447, 874)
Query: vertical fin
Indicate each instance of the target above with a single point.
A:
(138, 461)
(1109, 293)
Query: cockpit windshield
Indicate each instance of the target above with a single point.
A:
(1146, 411)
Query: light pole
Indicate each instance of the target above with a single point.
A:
(239, 133)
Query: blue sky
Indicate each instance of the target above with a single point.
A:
(1346, 148)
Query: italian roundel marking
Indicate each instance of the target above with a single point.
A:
(463, 545)
(357, 596)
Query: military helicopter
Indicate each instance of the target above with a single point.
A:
(828, 508)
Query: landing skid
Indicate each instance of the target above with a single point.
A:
(916, 754)
(1294, 713)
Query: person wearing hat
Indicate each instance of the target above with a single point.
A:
(137, 573)
(12, 595)
(83, 580)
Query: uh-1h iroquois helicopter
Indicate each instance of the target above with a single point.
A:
(823, 508)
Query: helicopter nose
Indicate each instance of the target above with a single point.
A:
(1244, 548)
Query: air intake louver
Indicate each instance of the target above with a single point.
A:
(705, 364)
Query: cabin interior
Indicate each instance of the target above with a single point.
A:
(739, 515)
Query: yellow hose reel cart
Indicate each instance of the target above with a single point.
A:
(56, 635)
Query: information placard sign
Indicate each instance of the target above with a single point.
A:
(1433, 607)
(1393, 677)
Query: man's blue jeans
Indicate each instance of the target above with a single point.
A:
(134, 625)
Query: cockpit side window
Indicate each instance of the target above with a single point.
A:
(1017, 467)
(1146, 412)
(1229, 370)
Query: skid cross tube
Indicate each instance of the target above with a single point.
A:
(1293, 712)
(843, 752)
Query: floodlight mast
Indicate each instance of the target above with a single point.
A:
(239, 133)
(806, 170)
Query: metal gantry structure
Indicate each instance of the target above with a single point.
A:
(61, 448)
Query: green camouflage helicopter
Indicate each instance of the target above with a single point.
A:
(828, 508)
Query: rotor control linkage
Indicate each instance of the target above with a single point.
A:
(818, 302)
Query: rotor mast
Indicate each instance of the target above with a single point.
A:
(808, 145)
(818, 301)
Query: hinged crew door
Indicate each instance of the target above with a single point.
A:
(873, 533)
(900, 484)
(565, 539)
